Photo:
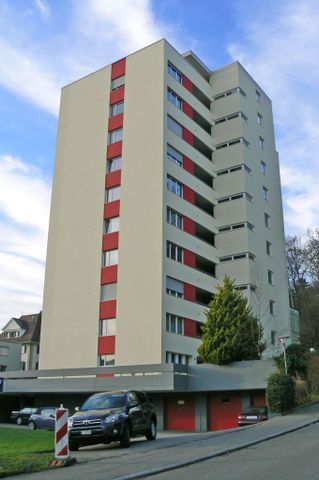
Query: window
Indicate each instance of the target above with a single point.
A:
(273, 337)
(117, 108)
(174, 72)
(259, 119)
(24, 349)
(268, 248)
(114, 164)
(116, 135)
(261, 142)
(270, 275)
(113, 194)
(112, 225)
(23, 365)
(174, 324)
(263, 168)
(174, 126)
(174, 287)
(271, 307)
(105, 360)
(174, 218)
(266, 218)
(258, 96)
(235, 141)
(117, 82)
(230, 92)
(265, 194)
(178, 358)
(174, 99)
(107, 327)
(174, 252)
(3, 368)
(4, 351)
(110, 258)
(174, 186)
(108, 292)
(174, 156)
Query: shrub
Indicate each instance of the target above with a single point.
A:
(296, 361)
(280, 392)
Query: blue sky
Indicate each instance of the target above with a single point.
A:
(45, 44)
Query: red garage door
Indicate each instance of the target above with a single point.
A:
(223, 410)
(180, 413)
(258, 399)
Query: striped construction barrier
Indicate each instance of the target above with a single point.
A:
(61, 434)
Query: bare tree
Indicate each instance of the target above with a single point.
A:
(313, 254)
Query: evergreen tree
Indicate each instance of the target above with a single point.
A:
(230, 332)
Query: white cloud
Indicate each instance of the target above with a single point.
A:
(43, 8)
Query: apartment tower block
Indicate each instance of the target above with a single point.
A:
(166, 179)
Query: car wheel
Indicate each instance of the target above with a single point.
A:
(125, 436)
(32, 425)
(73, 447)
(19, 421)
(152, 431)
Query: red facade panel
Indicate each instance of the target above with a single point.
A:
(189, 225)
(187, 83)
(258, 399)
(189, 292)
(188, 136)
(114, 150)
(189, 258)
(187, 109)
(117, 95)
(113, 179)
(188, 165)
(110, 241)
(189, 328)
(180, 413)
(112, 209)
(108, 309)
(188, 194)
(106, 345)
(118, 68)
(109, 274)
(116, 122)
(223, 410)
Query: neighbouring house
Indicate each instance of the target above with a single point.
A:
(24, 331)
(10, 355)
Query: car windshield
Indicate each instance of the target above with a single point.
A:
(100, 402)
(254, 410)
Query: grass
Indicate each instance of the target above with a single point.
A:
(17, 449)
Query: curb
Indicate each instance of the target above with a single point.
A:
(175, 466)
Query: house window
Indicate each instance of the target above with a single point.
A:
(110, 258)
(259, 119)
(178, 358)
(3, 368)
(270, 275)
(174, 72)
(273, 337)
(116, 135)
(261, 142)
(114, 164)
(174, 186)
(258, 96)
(108, 292)
(23, 365)
(113, 194)
(267, 218)
(271, 307)
(174, 324)
(174, 99)
(117, 83)
(174, 287)
(268, 248)
(4, 351)
(107, 327)
(105, 360)
(174, 126)
(174, 155)
(117, 108)
(263, 168)
(112, 225)
(174, 252)
(174, 218)
(24, 349)
(265, 194)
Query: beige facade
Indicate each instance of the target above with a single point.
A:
(198, 173)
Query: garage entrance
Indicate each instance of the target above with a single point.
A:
(179, 413)
(223, 410)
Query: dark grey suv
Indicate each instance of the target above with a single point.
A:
(112, 416)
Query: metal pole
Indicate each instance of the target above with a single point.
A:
(285, 358)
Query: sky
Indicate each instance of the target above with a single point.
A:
(45, 44)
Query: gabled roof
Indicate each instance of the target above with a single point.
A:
(30, 323)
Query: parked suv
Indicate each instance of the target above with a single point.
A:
(112, 416)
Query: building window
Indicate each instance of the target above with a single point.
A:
(107, 327)
(263, 168)
(273, 337)
(23, 365)
(174, 324)
(112, 225)
(270, 275)
(261, 142)
(113, 194)
(230, 92)
(24, 349)
(271, 307)
(4, 351)
(114, 164)
(174, 72)
(178, 358)
(259, 119)
(174, 287)
(174, 126)
(117, 83)
(258, 96)
(174, 99)
(267, 219)
(3, 368)
(174, 155)
(117, 108)
(108, 292)
(174, 218)
(265, 194)
(110, 258)
(105, 360)
(174, 252)
(174, 186)
(268, 247)
(116, 135)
